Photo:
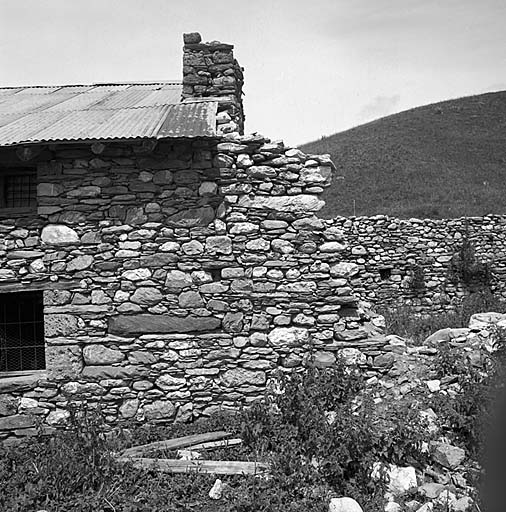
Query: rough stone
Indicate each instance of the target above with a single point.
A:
(233, 322)
(216, 490)
(170, 383)
(60, 325)
(58, 417)
(177, 280)
(400, 479)
(63, 361)
(298, 203)
(80, 263)
(448, 455)
(288, 337)
(219, 244)
(236, 377)
(480, 321)
(324, 359)
(159, 410)
(141, 357)
(129, 408)
(8, 405)
(190, 299)
(192, 217)
(344, 504)
(101, 355)
(58, 234)
(146, 296)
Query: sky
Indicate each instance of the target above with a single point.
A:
(312, 68)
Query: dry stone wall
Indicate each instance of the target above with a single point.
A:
(176, 278)
(387, 252)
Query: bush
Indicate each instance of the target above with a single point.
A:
(318, 428)
(466, 267)
(417, 278)
(321, 430)
(468, 414)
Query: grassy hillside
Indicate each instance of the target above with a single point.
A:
(442, 160)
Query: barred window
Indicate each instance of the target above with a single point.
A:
(18, 189)
(22, 331)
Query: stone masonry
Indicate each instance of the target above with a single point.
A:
(211, 71)
(178, 275)
(176, 278)
(385, 251)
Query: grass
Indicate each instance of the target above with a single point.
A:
(443, 160)
(404, 322)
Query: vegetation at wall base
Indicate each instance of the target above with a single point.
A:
(406, 322)
(467, 268)
(312, 458)
(444, 160)
(319, 429)
(417, 278)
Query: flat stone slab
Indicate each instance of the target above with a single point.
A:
(296, 203)
(17, 421)
(144, 323)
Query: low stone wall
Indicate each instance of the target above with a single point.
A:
(385, 251)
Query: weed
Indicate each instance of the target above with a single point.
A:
(406, 322)
(320, 429)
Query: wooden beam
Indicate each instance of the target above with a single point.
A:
(39, 285)
(218, 467)
(215, 444)
(174, 444)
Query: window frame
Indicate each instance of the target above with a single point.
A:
(19, 210)
(27, 372)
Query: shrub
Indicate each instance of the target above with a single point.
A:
(467, 268)
(335, 452)
(417, 278)
(468, 414)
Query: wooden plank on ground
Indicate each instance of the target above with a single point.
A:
(174, 444)
(225, 443)
(218, 467)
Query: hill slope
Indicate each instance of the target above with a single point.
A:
(442, 160)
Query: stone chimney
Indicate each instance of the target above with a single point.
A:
(211, 71)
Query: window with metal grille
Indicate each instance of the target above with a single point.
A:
(22, 331)
(18, 190)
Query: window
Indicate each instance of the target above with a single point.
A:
(21, 331)
(18, 190)
(385, 273)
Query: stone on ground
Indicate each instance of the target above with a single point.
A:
(448, 455)
(392, 506)
(344, 505)
(216, 490)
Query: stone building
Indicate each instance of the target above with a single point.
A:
(155, 260)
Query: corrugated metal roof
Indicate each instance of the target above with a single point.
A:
(31, 115)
